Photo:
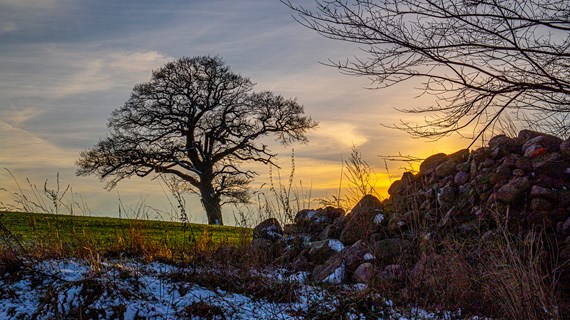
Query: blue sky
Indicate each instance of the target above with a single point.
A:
(66, 64)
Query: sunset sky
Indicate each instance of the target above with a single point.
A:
(66, 64)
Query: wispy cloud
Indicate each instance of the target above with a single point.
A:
(107, 70)
(7, 26)
(31, 4)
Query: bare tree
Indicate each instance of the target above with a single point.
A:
(487, 61)
(198, 121)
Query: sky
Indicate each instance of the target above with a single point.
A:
(65, 65)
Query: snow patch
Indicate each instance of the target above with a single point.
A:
(368, 256)
(335, 245)
(337, 277)
(149, 290)
(379, 218)
(311, 214)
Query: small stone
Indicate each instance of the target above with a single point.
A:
(518, 173)
(566, 226)
(390, 251)
(445, 169)
(330, 232)
(513, 191)
(480, 154)
(502, 145)
(291, 229)
(393, 271)
(446, 196)
(542, 192)
(487, 163)
(261, 245)
(333, 272)
(534, 151)
(302, 264)
(395, 188)
(538, 218)
(321, 251)
(510, 161)
(354, 255)
(538, 204)
(524, 164)
(364, 273)
(463, 167)
(501, 175)
(565, 148)
(459, 156)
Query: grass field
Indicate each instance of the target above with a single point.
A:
(104, 234)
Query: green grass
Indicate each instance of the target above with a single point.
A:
(102, 233)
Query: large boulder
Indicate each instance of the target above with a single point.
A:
(401, 185)
(364, 273)
(269, 229)
(430, 163)
(333, 272)
(321, 251)
(544, 141)
(343, 264)
(525, 135)
(364, 219)
(502, 145)
(354, 255)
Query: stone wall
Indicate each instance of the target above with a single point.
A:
(519, 184)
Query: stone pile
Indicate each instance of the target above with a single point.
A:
(521, 184)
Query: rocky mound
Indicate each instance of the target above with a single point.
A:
(520, 184)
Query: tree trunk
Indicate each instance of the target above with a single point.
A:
(211, 203)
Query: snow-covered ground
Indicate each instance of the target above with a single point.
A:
(72, 289)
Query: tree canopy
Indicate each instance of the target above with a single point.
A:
(489, 63)
(198, 121)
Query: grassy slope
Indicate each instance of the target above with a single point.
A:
(104, 233)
